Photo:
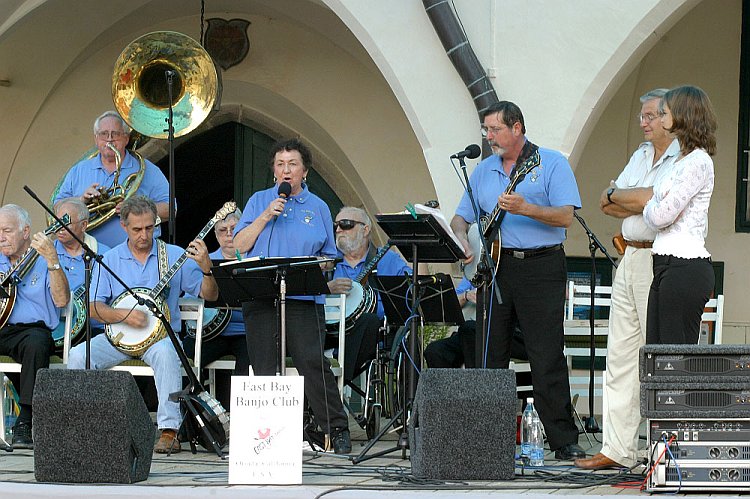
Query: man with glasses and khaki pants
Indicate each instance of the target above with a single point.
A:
(630, 289)
(90, 177)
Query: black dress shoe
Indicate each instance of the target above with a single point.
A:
(569, 452)
(22, 436)
(342, 443)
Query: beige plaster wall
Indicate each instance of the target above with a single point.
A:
(702, 49)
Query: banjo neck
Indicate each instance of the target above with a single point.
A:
(228, 208)
(369, 266)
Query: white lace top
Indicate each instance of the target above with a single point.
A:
(679, 208)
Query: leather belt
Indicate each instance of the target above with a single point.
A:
(639, 244)
(529, 253)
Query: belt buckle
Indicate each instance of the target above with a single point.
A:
(519, 254)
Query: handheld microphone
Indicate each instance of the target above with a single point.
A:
(438, 278)
(285, 189)
(472, 151)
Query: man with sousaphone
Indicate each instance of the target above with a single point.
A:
(103, 180)
(160, 271)
(35, 287)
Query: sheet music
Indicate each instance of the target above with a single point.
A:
(426, 210)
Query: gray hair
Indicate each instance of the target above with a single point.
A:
(111, 114)
(137, 205)
(19, 213)
(362, 213)
(78, 207)
(656, 93)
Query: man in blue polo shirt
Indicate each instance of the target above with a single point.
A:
(532, 271)
(86, 178)
(137, 263)
(40, 288)
(353, 227)
(71, 256)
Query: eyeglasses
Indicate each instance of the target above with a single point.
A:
(494, 129)
(346, 224)
(648, 118)
(71, 223)
(110, 135)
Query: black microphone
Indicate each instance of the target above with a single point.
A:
(285, 189)
(438, 278)
(472, 151)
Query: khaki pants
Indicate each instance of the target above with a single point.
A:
(627, 333)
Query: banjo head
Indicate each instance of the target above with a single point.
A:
(131, 340)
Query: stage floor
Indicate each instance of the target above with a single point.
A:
(324, 475)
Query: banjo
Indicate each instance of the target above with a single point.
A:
(361, 299)
(18, 271)
(490, 224)
(215, 320)
(134, 341)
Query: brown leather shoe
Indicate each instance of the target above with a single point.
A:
(598, 462)
(168, 441)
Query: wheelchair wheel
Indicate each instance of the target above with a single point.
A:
(394, 378)
(372, 427)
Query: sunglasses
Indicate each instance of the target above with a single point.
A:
(346, 224)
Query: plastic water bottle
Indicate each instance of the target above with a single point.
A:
(532, 436)
(8, 409)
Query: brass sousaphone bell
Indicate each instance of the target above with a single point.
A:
(139, 88)
(140, 96)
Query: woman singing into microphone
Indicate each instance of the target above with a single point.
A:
(288, 220)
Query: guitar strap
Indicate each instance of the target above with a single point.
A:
(163, 258)
(527, 153)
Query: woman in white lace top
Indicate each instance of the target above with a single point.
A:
(678, 210)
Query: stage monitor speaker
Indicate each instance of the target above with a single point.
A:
(463, 425)
(90, 427)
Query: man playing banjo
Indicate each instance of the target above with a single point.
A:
(353, 241)
(141, 261)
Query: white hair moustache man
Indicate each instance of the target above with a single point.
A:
(627, 322)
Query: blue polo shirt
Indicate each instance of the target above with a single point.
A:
(75, 269)
(390, 264)
(236, 323)
(304, 229)
(154, 186)
(464, 286)
(74, 265)
(33, 296)
(552, 183)
(104, 288)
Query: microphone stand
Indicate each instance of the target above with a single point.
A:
(170, 138)
(591, 426)
(486, 271)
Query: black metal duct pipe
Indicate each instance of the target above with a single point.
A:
(459, 50)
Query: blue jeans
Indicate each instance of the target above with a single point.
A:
(161, 356)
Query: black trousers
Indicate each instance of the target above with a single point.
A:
(305, 332)
(678, 294)
(533, 293)
(459, 349)
(220, 346)
(361, 343)
(30, 345)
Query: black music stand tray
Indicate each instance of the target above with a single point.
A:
(420, 238)
(438, 305)
(267, 279)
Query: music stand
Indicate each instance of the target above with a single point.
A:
(438, 305)
(271, 278)
(420, 238)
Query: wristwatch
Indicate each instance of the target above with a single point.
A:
(610, 191)
(54, 267)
